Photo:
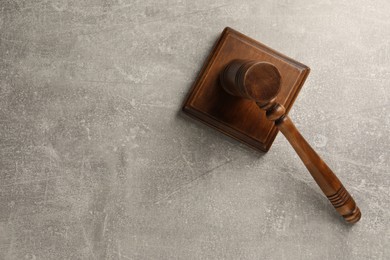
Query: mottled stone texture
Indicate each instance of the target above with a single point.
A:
(98, 162)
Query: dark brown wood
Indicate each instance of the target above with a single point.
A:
(237, 117)
(260, 82)
(239, 77)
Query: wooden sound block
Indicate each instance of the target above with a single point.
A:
(237, 117)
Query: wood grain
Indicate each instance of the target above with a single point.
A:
(237, 117)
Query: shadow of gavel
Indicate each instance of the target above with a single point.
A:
(260, 82)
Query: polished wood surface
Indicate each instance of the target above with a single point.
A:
(260, 82)
(245, 90)
(237, 117)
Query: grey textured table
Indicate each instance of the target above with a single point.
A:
(97, 162)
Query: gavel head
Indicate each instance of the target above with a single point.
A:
(255, 80)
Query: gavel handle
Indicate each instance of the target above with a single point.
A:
(325, 178)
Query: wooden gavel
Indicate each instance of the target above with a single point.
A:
(260, 82)
(245, 90)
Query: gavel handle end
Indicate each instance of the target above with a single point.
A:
(322, 174)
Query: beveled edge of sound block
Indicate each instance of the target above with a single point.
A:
(236, 117)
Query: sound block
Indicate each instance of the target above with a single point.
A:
(237, 117)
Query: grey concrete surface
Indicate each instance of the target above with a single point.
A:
(97, 162)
